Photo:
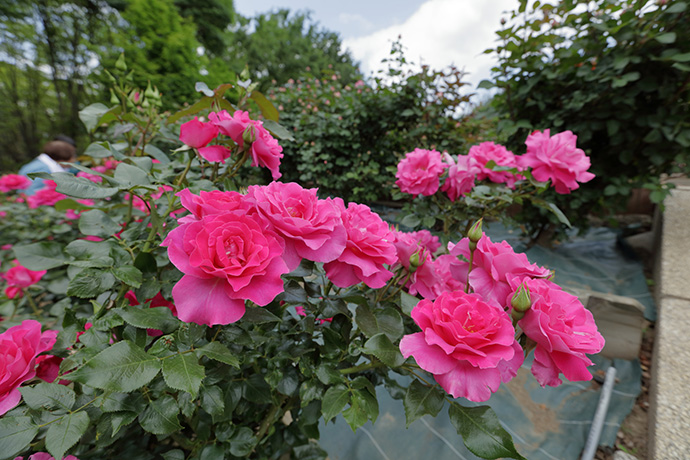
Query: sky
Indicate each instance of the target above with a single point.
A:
(434, 32)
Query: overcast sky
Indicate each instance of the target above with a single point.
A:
(435, 32)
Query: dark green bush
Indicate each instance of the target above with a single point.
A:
(617, 74)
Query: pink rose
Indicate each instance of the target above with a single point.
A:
(19, 347)
(419, 172)
(46, 456)
(461, 176)
(369, 246)
(557, 158)
(19, 278)
(226, 258)
(423, 279)
(264, 149)
(10, 182)
(488, 151)
(469, 345)
(493, 268)
(47, 196)
(312, 228)
(212, 202)
(92, 177)
(48, 367)
(564, 331)
(427, 240)
(197, 134)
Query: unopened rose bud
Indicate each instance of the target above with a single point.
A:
(146, 104)
(415, 261)
(521, 300)
(120, 63)
(113, 98)
(517, 315)
(475, 234)
(248, 135)
(149, 91)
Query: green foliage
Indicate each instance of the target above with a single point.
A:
(348, 137)
(278, 46)
(614, 73)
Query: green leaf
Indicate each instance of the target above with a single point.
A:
(486, 84)
(97, 223)
(157, 153)
(66, 432)
(183, 372)
(389, 322)
(212, 400)
(160, 416)
(198, 106)
(120, 419)
(128, 275)
(310, 452)
(410, 221)
(278, 130)
(257, 390)
(366, 320)
(382, 347)
(676, 7)
(482, 433)
(121, 367)
(219, 352)
(91, 115)
(267, 108)
(363, 407)
(49, 396)
(90, 283)
(667, 38)
(174, 454)
(130, 175)
(40, 256)
(559, 214)
(242, 442)
(80, 187)
(408, 302)
(259, 315)
(334, 401)
(149, 318)
(98, 150)
(16, 433)
(421, 400)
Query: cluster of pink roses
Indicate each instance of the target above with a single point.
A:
(234, 247)
(555, 158)
(263, 148)
(468, 339)
(10, 182)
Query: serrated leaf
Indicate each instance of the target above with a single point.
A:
(183, 372)
(278, 130)
(80, 187)
(49, 396)
(128, 275)
(421, 400)
(198, 106)
(219, 352)
(122, 367)
(90, 283)
(16, 433)
(174, 454)
(149, 318)
(97, 223)
(120, 419)
(66, 432)
(334, 401)
(242, 442)
(130, 175)
(212, 400)
(160, 416)
(482, 433)
(90, 116)
(382, 347)
(407, 302)
(257, 390)
(267, 108)
(40, 256)
(355, 415)
(259, 315)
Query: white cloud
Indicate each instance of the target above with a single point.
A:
(440, 33)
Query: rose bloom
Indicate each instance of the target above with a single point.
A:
(557, 158)
(198, 134)
(369, 247)
(427, 240)
(419, 172)
(46, 456)
(487, 151)
(48, 368)
(19, 347)
(312, 228)
(226, 259)
(213, 202)
(468, 344)
(19, 278)
(564, 331)
(461, 176)
(493, 268)
(10, 182)
(264, 150)
(47, 196)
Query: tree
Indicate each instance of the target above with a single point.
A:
(279, 46)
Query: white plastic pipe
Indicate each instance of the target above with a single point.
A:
(600, 415)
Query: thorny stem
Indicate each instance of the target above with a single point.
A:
(183, 176)
(30, 299)
(362, 367)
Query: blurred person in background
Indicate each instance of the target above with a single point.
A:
(60, 149)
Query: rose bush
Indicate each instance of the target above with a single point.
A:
(189, 313)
